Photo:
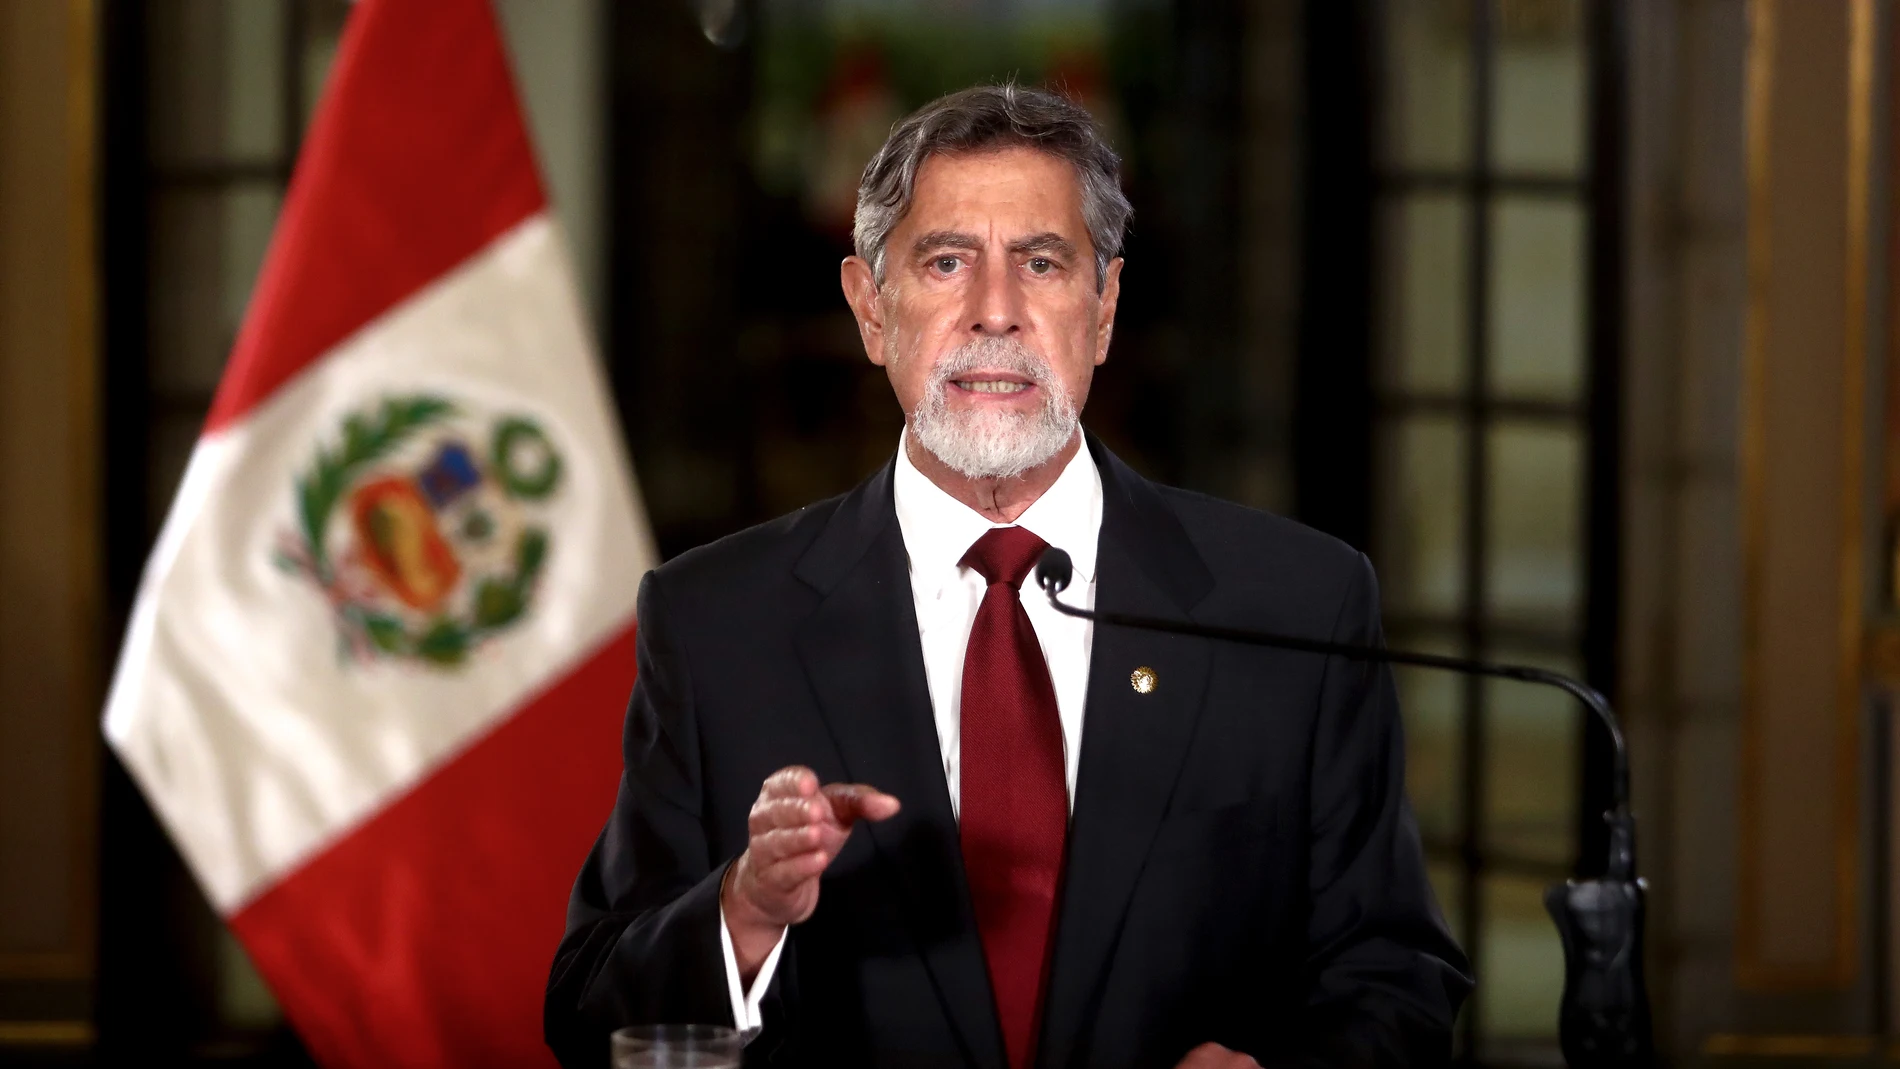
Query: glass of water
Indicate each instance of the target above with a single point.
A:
(677, 1046)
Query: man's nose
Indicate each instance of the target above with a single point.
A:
(995, 300)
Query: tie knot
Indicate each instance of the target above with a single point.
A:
(1005, 555)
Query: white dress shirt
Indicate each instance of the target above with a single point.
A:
(938, 529)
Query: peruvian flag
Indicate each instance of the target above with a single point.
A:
(373, 682)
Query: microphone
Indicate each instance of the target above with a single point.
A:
(1605, 1018)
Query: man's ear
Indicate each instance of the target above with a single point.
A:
(861, 293)
(1111, 294)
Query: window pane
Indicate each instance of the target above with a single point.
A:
(1532, 763)
(1428, 94)
(1537, 297)
(1433, 706)
(173, 437)
(216, 80)
(207, 245)
(322, 28)
(1418, 540)
(1521, 963)
(244, 999)
(1534, 550)
(1538, 92)
(1424, 253)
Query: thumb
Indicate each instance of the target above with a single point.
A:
(856, 801)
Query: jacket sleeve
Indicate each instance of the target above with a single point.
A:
(643, 942)
(1386, 977)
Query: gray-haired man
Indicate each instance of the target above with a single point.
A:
(1081, 847)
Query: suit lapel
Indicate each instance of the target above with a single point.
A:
(1133, 744)
(865, 663)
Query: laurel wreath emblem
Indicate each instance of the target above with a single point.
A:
(522, 464)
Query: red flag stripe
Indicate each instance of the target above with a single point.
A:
(418, 157)
(423, 938)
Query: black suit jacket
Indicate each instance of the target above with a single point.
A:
(1242, 864)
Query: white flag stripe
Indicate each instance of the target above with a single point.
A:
(248, 782)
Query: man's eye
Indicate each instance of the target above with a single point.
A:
(948, 264)
(1042, 265)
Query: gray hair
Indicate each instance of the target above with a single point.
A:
(985, 117)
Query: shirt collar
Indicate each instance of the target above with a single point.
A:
(938, 529)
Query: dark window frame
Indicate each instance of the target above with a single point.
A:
(158, 969)
(1343, 410)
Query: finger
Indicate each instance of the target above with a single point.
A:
(781, 843)
(787, 874)
(831, 838)
(770, 813)
(792, 781)
(1214, 1056)
(775, 846)
(856, 801)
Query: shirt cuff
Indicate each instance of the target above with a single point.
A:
(746, 1016)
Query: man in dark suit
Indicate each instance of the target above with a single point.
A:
(1080, 846)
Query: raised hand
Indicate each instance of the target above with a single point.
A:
(795, 829)
(1215, 1056)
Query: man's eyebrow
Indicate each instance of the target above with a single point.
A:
(946, 239)
(1049, 241)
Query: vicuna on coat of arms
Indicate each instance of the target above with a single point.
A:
(420, 535)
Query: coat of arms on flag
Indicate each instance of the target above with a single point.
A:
(423, 528)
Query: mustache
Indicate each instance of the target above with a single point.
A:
(993, 353)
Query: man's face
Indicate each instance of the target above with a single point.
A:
(988, 321)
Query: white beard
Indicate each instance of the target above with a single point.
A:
(993, 444)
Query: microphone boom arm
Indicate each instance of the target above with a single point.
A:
(1591, 698)
(1604, 1019)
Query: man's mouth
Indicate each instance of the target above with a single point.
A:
(991, 384)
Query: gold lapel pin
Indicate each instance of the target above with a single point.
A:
(1144, 680)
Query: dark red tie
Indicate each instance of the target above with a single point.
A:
(1013, 798)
